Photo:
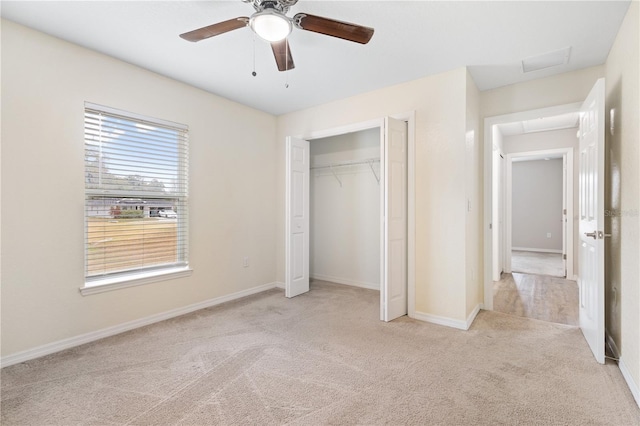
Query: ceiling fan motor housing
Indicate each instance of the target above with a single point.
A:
(281, 6)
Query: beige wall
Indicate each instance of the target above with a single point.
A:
(559, 89)
(439, 103)
(45, 82)
(623, 270)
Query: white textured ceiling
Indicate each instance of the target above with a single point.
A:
(412, 39)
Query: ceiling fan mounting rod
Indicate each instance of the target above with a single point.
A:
(279, 5)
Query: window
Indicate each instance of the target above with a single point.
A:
(136, 187)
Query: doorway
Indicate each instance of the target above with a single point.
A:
(498, 186)
(539, 208)
(538, 200)
(396, 224)
(590, 208)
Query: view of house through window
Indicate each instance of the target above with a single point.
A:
(135, 193)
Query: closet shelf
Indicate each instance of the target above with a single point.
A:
(331, 166)
(346, 163)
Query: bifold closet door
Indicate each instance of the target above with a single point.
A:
(394, 235)
(297, 217)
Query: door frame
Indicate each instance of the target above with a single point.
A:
(489, 122)
(568, 195)
(410, 118)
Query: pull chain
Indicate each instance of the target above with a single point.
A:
(254, 73)
(286, 73)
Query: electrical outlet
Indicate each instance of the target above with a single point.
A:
(548, 234)
(245, 262)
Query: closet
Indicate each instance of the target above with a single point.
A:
(345, 209)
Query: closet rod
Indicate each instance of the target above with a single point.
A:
(347, 163)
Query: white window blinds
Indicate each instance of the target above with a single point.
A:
(136, 188)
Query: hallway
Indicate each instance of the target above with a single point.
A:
(541, 297)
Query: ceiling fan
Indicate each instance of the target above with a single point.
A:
(271, 23)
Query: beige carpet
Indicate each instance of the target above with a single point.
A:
(322, 358)
(530, 262)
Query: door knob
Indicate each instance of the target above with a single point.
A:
(601, 235)
(591, 234)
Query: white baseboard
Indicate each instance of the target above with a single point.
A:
(279, 284)
(472, 316)
(449, 322)
(345, 281)
(71, 342)
(633, 386)
(536, 250)
(612, 344)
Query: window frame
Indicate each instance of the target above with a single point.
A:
(146, 274)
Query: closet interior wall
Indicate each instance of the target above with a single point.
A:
(345, 209)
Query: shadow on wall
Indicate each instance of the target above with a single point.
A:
(613, 222)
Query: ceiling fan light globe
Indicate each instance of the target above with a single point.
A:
(270, 25)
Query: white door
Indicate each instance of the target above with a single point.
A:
(501, 207)
(563, 216)
(297, 218)
(495, 218)
(591, 205)
(394, 222)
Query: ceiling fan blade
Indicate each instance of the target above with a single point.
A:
(331, 27)
(282, 53)
(216, 29)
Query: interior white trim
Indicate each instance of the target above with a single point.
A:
(134, 279)
(410, 117)
(449, 322)
(71, 342)
(341, 130)
(537, 250)
(567, 154)
(489, 122)
(633, 386)
(345, 281)
(472, 316)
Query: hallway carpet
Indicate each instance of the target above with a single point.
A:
(321, 358)
(531, 262)
(540, 297)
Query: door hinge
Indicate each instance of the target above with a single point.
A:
(564, 211)
(564, 257)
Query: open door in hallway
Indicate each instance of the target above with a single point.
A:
(297, 217)
(394, 235)
(591, 208)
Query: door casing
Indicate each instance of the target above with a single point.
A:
(489, 122)
(568, 192)
(409, 117)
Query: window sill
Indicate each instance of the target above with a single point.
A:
(132, 280)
